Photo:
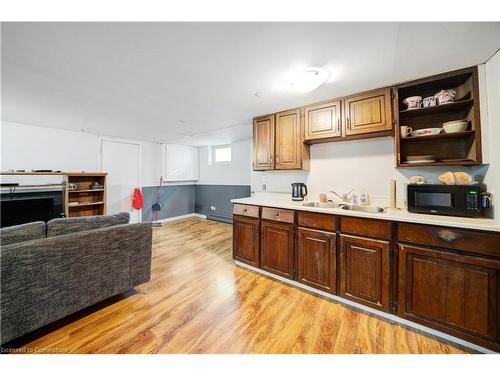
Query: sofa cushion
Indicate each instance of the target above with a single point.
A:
(23, 232)
(57, 227)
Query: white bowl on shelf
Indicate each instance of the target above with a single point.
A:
(455, 126)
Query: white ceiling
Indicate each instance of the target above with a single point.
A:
(164, 81)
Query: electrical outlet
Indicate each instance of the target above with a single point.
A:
(264, 186)
(213, 208)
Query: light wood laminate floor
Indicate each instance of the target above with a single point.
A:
(198, 301)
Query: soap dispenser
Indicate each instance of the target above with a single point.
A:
(363, 198)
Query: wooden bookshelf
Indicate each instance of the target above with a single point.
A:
(450, 149)
(91, 200)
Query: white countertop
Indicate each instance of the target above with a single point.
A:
(284, 201)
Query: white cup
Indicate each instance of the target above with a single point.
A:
(405, 131)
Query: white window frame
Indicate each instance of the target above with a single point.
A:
(215, 148)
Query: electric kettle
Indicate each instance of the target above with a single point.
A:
(299, 191)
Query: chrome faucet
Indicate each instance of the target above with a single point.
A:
(345, 197)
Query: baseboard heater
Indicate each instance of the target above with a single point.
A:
(223, 219)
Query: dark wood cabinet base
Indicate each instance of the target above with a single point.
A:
(447, 279)
(420, 326)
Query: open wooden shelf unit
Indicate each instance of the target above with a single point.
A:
(450, 149)
(91, 201)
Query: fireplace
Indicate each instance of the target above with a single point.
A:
(25, 207)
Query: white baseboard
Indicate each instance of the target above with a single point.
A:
(382, 314)
(180, 217)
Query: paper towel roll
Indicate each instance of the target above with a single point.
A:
(393, 194)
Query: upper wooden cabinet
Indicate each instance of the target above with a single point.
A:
(368, 112)
(288, 140)
(263, 143)
(278, 142)
(281, 140)
(323, 121)
(449, 149)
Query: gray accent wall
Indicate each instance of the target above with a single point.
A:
(218, 196)
(176, 200)
(180, 200)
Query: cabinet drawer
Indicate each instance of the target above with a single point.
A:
(277, 214)
(246, 210)
(316, 221)
(485, 243)
(366, 227)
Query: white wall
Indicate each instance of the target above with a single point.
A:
(179, 163)
(491, 134)
(369, 164)
(361, 164)
(237, 172)
(34, 147)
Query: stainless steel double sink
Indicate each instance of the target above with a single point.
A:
(348, 207)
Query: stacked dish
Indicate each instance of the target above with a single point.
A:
(455, 126)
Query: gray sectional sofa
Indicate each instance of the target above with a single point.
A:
(49, 271)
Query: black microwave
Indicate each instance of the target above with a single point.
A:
(454, 200)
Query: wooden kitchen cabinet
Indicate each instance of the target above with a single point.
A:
(290, 150)
(444, 278)
(316, 259)
(278, 142)
(322, 122)
(458, 294)
(246, 237)
(263, 143)
(364, 271)
(367, 113)
(276, 248)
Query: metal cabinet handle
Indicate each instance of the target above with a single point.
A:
(245, 210)
(338, 125)
(348, 123)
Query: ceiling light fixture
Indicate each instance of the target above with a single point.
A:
(310, 79)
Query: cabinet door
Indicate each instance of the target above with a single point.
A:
(448, 291)
(368, 113)
(364, 271)
(316, 259)
(263, 143)
(322, 121)
(246, 240)
(288, 140)
(276, 248)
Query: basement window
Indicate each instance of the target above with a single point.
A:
(223, 154)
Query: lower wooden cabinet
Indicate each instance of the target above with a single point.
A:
(447, 279)
(246, 240)
(454, 293)
(365, 271)
(276, 248)
(316, 259)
